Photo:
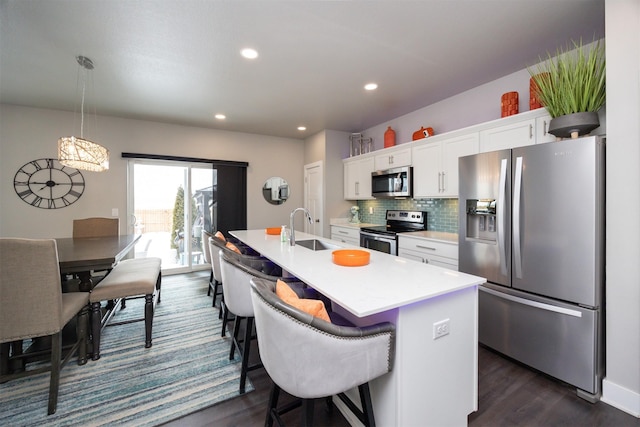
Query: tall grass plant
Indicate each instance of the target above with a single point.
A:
(572, 81)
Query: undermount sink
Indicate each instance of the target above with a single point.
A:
(316, 245)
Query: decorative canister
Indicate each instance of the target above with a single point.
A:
(389, 137)
(534, 100)
(509, 104)
(423, 132)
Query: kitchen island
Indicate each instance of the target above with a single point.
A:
(434, 381)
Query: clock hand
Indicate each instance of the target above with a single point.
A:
(51, 183)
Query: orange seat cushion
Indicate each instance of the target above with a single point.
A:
(314, 307)
(233, 247)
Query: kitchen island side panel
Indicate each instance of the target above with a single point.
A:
(438, 378)
(433, 382)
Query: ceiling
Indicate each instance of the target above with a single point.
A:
(178, 61)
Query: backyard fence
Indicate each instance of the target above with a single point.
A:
(154, 220)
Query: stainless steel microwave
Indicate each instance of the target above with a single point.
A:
(392, 183)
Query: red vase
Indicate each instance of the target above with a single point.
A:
(389, 137)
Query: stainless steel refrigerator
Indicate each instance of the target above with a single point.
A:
(532, 223)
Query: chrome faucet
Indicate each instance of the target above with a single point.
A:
(292, 239)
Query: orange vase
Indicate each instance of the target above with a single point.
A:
(509, 104)
(534, 97)
(389, 137)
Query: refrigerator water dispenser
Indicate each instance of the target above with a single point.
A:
(481, 219)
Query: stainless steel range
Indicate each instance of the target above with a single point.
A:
(384, 238)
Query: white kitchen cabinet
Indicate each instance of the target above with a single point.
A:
(542, 130)
(346, 234)
(508, 136)
(357, 178)
(393, 158)
(435, 165)
(531, 129)
(429, 251)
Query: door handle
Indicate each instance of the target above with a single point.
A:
(501, 212)
(517, 192)
(425, 247)
(530, 303)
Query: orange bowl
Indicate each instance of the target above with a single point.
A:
(351, 257)
(273, 230)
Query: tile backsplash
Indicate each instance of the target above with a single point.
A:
(442, 214)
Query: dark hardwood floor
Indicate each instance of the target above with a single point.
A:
(509, 395)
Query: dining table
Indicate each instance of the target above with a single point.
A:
(81, 256)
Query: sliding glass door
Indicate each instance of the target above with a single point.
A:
(170, 203)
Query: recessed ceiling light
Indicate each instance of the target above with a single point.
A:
(371, 86)
(220, 116)
(249, 53)
(301, 128)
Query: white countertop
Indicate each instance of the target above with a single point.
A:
(433, 235)
(387, 282)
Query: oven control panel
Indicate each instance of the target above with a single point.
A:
(407, 216)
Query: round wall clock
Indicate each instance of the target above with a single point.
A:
(48, 184)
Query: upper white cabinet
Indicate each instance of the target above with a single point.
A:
(393, 158)
(357, 178)
(542, 130)
(508, 136)
(435, 165)
(435, 159)
(520, 131)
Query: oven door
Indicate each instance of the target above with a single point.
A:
(379, 242)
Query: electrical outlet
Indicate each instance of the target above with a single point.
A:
(440, 329)
(114, 211)
(370, 210)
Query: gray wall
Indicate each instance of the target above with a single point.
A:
(28, 133)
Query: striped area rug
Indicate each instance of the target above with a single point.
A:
(186, 369)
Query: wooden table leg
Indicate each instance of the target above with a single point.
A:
(86, 284)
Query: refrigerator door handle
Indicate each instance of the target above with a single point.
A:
(517, 250)
(530, 303)
(502, 219)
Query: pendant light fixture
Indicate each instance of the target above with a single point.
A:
(80, 153)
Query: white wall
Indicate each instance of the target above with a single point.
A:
(622, 383)
(337, 148)
(28, 133)
(330, 147)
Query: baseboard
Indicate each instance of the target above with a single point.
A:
(622, 398)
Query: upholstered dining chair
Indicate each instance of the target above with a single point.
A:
(214, 248)
(242, 254)
(96, 227)
(216, 244)
(236, 277)
(206, 250)
(311, 358)
(32, 305)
